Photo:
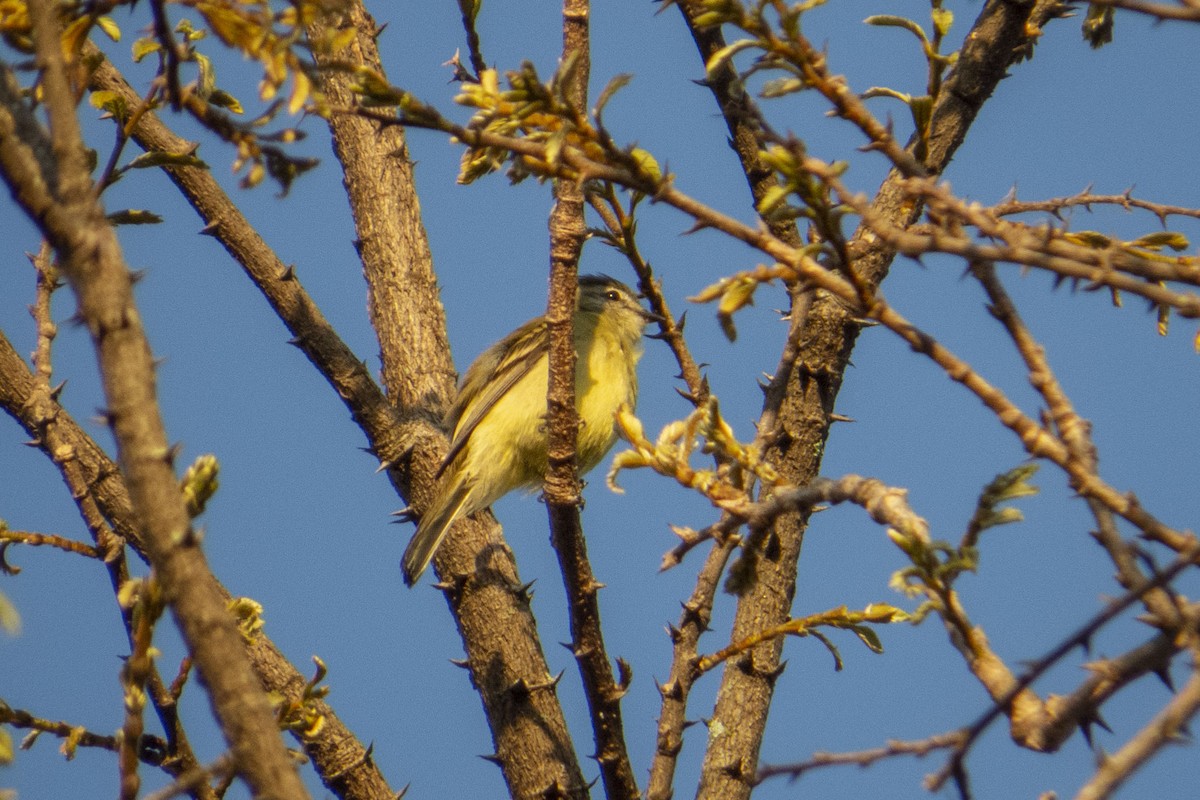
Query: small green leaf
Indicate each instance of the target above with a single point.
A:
(134, 216)
(868, 637)
(144, 47)
(1157, 241)
(224, 99)
(922, 114)
(615, 85)
(161, 159)
(1089, 239)
(773, 197)
(206, 83)
(112, 102)
(720, 58)
(109, 27)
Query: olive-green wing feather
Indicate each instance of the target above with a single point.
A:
(491, 376)
(431, 531)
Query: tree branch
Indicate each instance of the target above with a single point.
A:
(478, 575)
(562, 485)
(71, 219)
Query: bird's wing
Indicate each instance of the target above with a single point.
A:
(490, 378)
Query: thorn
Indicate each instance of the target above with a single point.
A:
(57, 390)
(624, 678)
(452, 586)
(211, 228)
(692, 616)
(294, 341)
(841, 418)
(136, 276)
(774, 674)
(402, 515)
(289, 273)
(862, 322)
(1164, 675)
(493, 758)
(384, 466)
(691, 398)
(461, 663)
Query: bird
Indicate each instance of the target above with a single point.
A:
(497, 422)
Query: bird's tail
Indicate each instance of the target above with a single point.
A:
(432, 530)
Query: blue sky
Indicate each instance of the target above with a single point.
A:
(301, 520)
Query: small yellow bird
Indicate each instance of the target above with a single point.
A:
(498, 418)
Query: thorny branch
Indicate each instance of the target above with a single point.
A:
(1128, 268)
(49, 174)
(568, 230)
(981, 238)
(150, 749)
(862, 758)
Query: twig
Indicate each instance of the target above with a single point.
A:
(150, 749)
(49, 539)
(196, 778)
(64, 207)
(470, 10)
(1075, 433)
(1086, 199)
(685, 637)
(620, 233)
(162, 32)
(862, 758)
(1166, 728)
(1148, 658)
(562, 486)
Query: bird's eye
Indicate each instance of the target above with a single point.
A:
(613, 294)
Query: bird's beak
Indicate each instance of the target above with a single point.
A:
(650, 316)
